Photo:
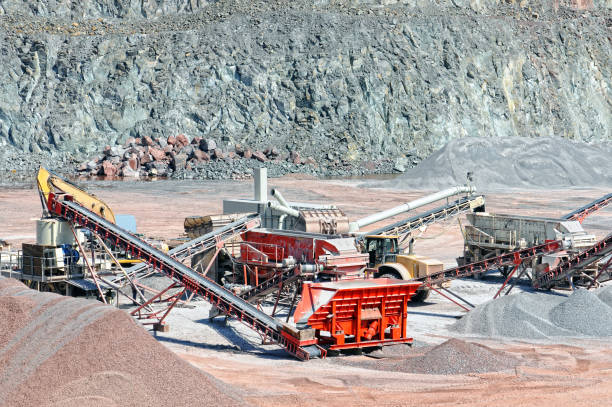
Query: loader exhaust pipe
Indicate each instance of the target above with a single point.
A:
(368, 220)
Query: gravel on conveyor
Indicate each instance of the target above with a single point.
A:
(542, 316)
(57, 350)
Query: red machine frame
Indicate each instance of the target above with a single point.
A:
(357, 313)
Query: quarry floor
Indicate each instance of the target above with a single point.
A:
(563, 372)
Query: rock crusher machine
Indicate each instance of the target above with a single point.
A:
(332, 315)
(344, 308)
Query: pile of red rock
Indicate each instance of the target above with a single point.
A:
(149, 156)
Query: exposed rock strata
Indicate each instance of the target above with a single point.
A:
(343, 82)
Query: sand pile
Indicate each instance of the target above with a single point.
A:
(541, 316)
(512, 162)
(62, 351)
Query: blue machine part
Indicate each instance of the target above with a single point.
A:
(71, 255)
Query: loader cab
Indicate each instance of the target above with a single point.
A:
(382, 249)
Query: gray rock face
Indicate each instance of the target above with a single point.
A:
(360, 80)
(101, 8)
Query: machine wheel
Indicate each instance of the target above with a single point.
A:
(421, 295)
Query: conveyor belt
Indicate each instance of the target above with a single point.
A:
(511, 258)
(567, 267)
(272, 284)
(406, 226)
(269, 328)
(202, 243)
(581, 213)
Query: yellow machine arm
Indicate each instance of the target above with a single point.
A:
(48, 182)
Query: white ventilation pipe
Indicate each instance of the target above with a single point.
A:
(368, 220)
(280, 198)
(284, 209)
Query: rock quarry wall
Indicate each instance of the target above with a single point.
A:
(341, 81)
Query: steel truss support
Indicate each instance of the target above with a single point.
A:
(603, 269)
(507, 279)
(447, 297)
(171, 300)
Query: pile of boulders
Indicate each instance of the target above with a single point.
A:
(148, 156)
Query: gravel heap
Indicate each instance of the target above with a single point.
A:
(541, 316)
(457, 357)
(451, 357)
(605, 295)
(513, 162)
(584, 312)
(57, 350)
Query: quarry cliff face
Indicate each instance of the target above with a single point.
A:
(335, 80)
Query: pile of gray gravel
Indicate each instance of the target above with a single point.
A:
(513, 162)
(542, 316)
(605, 295)
(451, 357)
(458, 357)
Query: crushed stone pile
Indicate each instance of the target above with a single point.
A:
(605, 295)
(541, 316)
(585, 313)
(457, 357)
(57, 350)
(517, 162)
(451, 357)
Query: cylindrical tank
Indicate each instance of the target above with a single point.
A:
(46, 232)
(55, 232)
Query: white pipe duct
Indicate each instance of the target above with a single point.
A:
(280, 198)
(284, 209)
(368, 220)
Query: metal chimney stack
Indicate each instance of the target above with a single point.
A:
(261, 184)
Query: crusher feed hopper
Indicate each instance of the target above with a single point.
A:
(356, 313)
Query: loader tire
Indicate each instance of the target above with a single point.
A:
(421, 295)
